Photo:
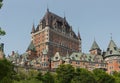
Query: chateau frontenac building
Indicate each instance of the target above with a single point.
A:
(54, 43)
(54, 34)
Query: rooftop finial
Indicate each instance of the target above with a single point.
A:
(79, 34)
(47, 8)
(94, 38)
(111, 36)
(33, 28)
(64, 15)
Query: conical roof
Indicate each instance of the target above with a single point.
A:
(112, 44)
(112, 49)
(33, 29)
(79, 37)
(94, 46)
(31, 47)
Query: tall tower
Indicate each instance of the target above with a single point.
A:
(54, 34)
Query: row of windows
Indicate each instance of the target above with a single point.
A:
(44, 64)
(93, 64)
(116, 62)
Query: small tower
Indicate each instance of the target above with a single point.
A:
(95, 49)
(80, 41)
(112, 57)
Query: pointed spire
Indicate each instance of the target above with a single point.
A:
(111, 36)
(47, 9)
(64, 16)
(47, 17)
(94, 38)
(94, 46)
(79, 34)
(112, 44)
(33, 28)
(112, 49)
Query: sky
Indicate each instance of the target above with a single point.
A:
(95, 19)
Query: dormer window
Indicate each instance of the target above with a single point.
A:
(73, 58)
(76, 55)
(115, 48)
(56, 58)
(110, 51)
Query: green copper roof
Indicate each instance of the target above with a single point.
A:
(57, 57)
(112, 44)
(94, 46)
(31, 47)
(82, 57)
(112, 49)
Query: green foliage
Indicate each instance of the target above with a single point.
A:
(102, 77)
(2, 32)
(48, 78)
(65, 73)
(39, 76)
(116, 75)
(6, 71)
(1, 3)
(28, 81)
(22, 74)
(83, 73)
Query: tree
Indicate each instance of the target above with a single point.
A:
(6, 71)
(1, 3)
(65, 73)
(2, 32)
(83, 76)
(102, 77)
(116, 75)
(39, 76)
